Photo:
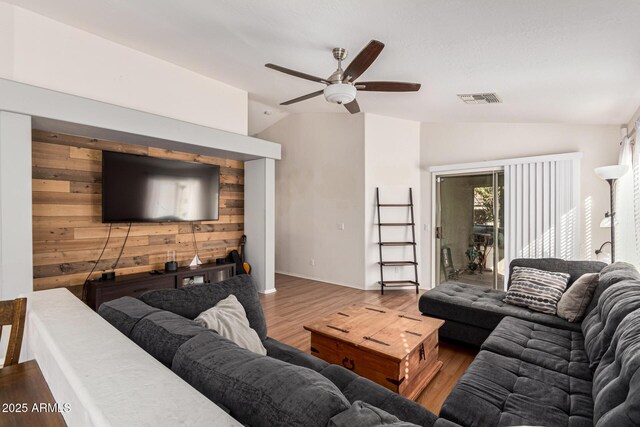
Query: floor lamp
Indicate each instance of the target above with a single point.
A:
(611, 174)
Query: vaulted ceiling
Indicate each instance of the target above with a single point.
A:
(569, 61)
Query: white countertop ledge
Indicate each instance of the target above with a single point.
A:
(106, 378)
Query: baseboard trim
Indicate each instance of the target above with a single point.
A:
(395, 288)
(372, 288)
(267, 292)
(318, 279)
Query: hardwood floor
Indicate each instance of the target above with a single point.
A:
(29, 400)
(301, 300)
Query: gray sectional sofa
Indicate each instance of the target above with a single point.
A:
(472, 312)
(285, 388)
(536, 369)
(531, 370)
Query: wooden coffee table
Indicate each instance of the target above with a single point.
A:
(394, 349)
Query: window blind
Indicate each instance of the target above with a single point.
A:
(541, 209)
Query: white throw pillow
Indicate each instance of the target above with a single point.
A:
(229, 319)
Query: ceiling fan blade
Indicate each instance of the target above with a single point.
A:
(296, 73)
(352, 106)
(364, 59)
(388, 86)
(302, 98)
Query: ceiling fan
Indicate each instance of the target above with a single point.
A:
(341, 85)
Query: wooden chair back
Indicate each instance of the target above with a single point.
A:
(13, 313)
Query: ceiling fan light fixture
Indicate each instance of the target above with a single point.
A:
(340, 93)
(342, 86)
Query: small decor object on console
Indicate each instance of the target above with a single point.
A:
(171, 264)
(536, 289)
(195, 261)
(193, 280)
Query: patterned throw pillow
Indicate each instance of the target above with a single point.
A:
(536, 289)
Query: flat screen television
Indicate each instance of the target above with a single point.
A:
(147, 189)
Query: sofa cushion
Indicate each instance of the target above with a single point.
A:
(536, 289)
(258, 390)
(609, 276)
(355, 387)
(289, 354)
(618, 265)
(573, 304)
(575, 269)
(498, 390)
(190, 301)
(463, 332)
(616, 382)
(600, 325)
(481, 307)
(554, 349)
(361, 414)
(443, 422)
(161, 334)
(125, 312)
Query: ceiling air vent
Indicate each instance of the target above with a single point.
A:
(480, 98)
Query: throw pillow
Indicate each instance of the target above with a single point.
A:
(229, 319)
(574, 301)
(536, 289)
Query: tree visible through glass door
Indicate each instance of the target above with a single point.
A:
(471, 229)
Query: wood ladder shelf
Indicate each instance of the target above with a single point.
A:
(401, 263)
(396, 243)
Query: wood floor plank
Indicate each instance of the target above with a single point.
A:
(298, 301)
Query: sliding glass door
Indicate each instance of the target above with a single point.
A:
(470, 228)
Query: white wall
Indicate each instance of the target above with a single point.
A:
(331, 165)
(15, 206)
(450, 143)
(392, 163)
(46, 53)
(259, 214)
(6, 39)
(319, 186)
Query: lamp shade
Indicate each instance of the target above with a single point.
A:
(611, 172)
(606, 222)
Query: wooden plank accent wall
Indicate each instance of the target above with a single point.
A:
(68, 234)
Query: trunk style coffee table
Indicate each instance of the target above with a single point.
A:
(394, 349)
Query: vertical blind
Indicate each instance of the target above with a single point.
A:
(627, 202)
(636, 197)
(541, 209)
(624, 207)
